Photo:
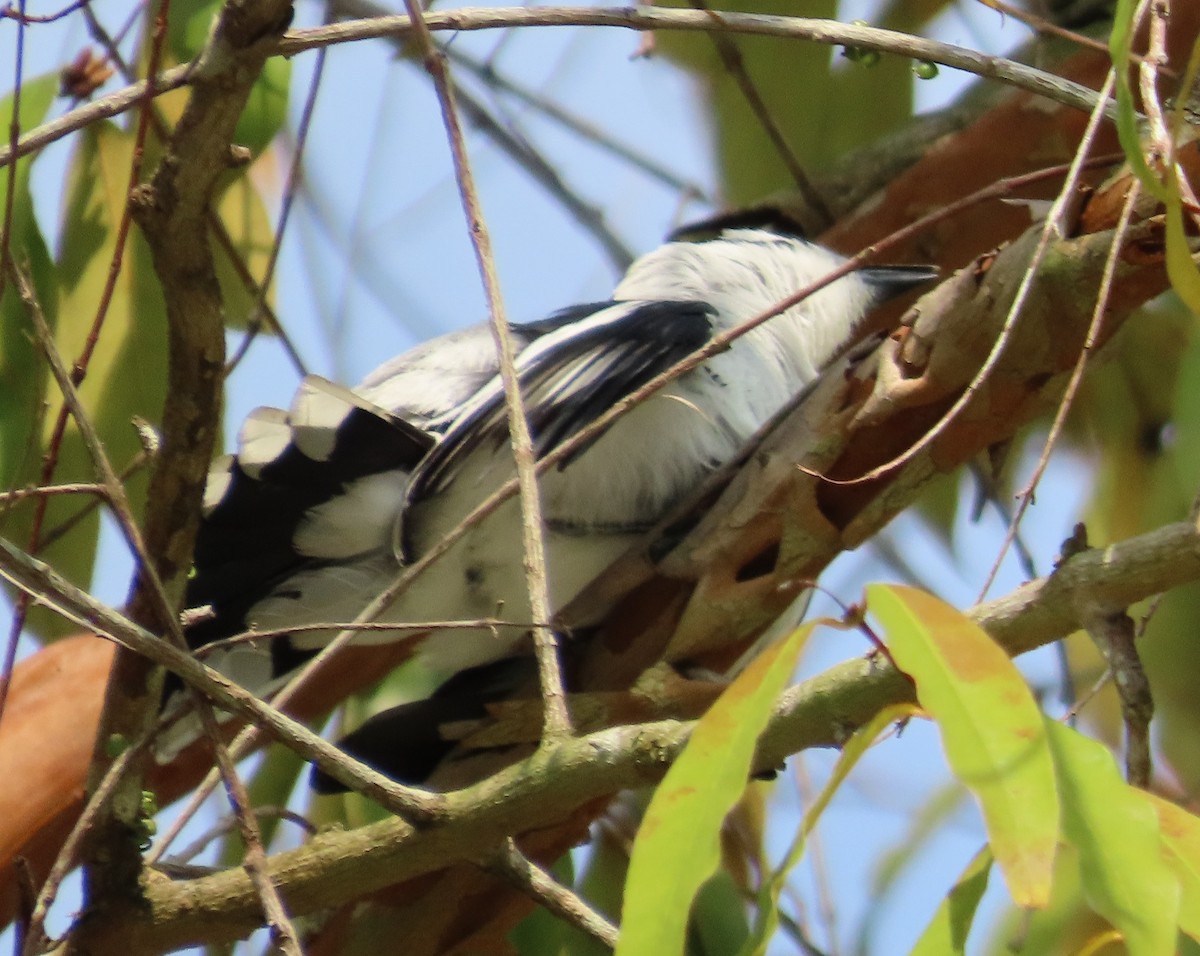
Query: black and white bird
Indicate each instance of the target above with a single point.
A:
(324, 504)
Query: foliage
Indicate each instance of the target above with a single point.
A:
(702, 863)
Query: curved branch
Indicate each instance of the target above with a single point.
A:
(822, 711)
(831, 32)
(660, 18)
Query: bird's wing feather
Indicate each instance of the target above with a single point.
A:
(283, 501)
(430, 383)
(330, 478)
(577, 365)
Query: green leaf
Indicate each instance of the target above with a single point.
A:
(678, 845)
(718, 923)
(852, 752)
(1120, 45)
(947, 932)
(1185, 277)
(1114, 828)
(127, 372)
(991, 728)
(821, 104)
(22, 373)
(266, 106)
(1180, 832)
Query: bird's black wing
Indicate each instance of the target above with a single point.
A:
(577, 365)
(287, 465)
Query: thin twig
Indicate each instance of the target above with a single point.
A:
(589, 132)
(178, 865)
(54, 591)
(220, 233)
(226, 825)
(589, 217)
(14, 135)
(989, 494)
(1049, 28)
(266, 314)
(253, 636)
(258, 313)
(1087, 697)
(557, 718)
(984, 65)
(17, 625)
(643, 18)
(56, 532)
(71, 488)
(735, 65)
(1026, 496)
(1103, 294)
(9, 13)
(69, 851)
(521, 152)
(1158, 135)
(513, 866)
(254, 861)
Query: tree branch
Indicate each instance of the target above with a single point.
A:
(831, 32)
(533, 532)
(173, 212)
(339, 866)
(660, 18)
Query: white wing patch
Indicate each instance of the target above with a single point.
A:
(317, 411)
(265, 435)
(220, 475)
(358, 520)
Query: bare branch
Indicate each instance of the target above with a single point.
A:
(1113, 634)
(509, 863)
(823, 711)
(104, 108)
(661, 18)
(558, 720)
(70, 488)
(638, 18)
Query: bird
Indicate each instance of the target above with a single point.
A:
(324, 504)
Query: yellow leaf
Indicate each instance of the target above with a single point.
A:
(991, 729)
